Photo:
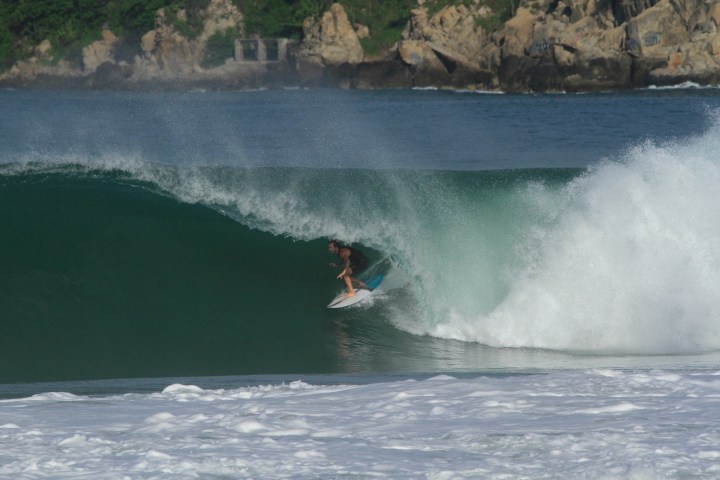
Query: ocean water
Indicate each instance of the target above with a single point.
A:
(551, 307)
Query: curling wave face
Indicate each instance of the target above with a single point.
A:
(620, 258)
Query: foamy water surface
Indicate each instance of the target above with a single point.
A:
(583, 424)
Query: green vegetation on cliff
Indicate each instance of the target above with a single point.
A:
(385, 21)
(220, 47)
(7, 47)
(279, 18)
(70, 25)
(63, 22)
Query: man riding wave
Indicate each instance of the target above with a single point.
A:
(354, 263)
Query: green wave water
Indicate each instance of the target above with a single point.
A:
(146, 271)
(113, 267)
(102, 279)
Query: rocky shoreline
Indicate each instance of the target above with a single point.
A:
(548, 45)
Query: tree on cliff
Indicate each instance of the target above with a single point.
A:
(70, 25)
(7, 47)
(63, 22)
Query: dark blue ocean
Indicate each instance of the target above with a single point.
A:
(348, 129)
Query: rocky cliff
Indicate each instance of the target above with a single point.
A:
(168, 54)
(547, 45)
(167, 57)
(568, 45)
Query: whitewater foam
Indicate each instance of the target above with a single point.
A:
(571, 425)
(627, 262)
(681, 86)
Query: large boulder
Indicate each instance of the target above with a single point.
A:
(454, 33)
(672, 41)
(99, 52)
(418, 54)
(656, 31)
(167, 53)
(571, 45)
(697, 61)
(331, 39)
(517, 34)
(448, 48)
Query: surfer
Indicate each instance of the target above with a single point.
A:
(354, 262)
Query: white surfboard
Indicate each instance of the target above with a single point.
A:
(343, 300)
(361, 294)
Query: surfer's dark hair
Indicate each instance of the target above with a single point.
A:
(335, 242)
